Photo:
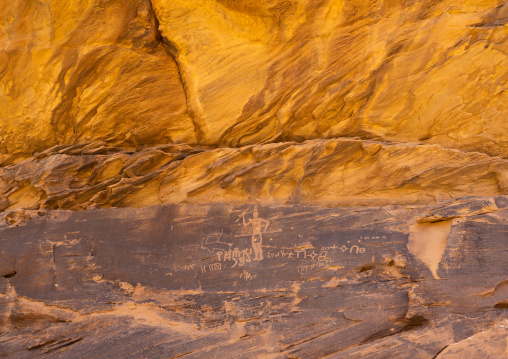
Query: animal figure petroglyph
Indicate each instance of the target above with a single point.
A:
(211, 242)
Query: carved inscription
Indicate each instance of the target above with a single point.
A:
(218, 251)
(247, 276)
(211, 268)
(308, 268)
(236, 256)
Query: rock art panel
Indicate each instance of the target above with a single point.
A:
(253, 179)
(283, 281)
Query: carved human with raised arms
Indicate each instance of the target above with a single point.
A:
(257, 224)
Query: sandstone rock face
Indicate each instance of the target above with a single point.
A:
(237, 72)
(82, 71)
(334, 172)
(233, 73)
(239, 178)
(244, 85)
(207, 281)
(429, 71)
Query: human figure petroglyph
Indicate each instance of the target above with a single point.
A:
(257, 224)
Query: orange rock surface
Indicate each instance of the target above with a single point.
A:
(402, 101)
(310, 178)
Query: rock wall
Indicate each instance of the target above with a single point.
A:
(337, 120)
(215, 281)
(235, 73)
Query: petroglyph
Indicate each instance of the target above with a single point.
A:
(220, 251)
(354, 249)
(211, 268)
(310, 254)
(238, 257)
(185, 267)
(307, 268)
(211, 243)
(247, 276)
(257, 223)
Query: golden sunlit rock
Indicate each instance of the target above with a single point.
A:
(80, 72)
(342, 172)
(249, 72)
(412, 71)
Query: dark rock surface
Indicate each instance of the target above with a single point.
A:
(222, 281)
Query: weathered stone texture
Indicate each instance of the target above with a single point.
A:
(343, 172)
(172, 281)
(233, 73)
(374, 128)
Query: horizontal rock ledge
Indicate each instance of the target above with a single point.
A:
(339, 172)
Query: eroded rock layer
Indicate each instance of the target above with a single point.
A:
(257, 281)
(336, 172)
